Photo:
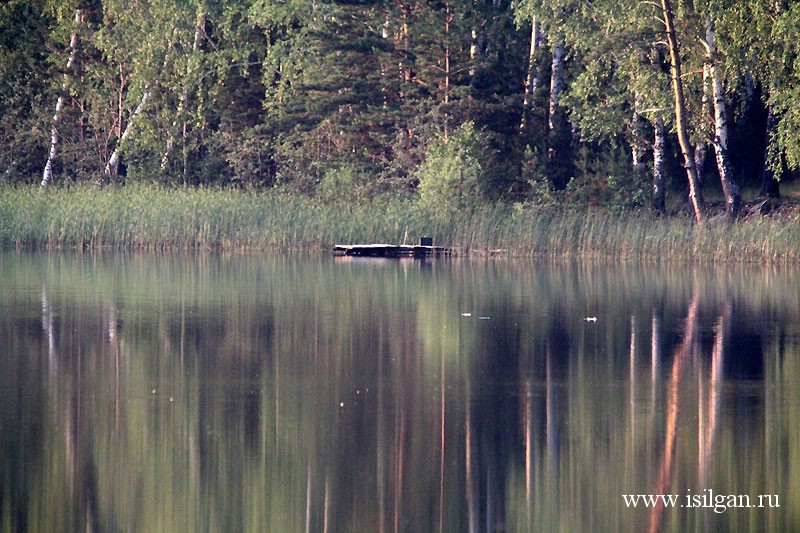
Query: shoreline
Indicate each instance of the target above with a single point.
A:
(156, 218)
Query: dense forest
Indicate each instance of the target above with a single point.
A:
(608, 101)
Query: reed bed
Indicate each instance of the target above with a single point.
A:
(158, 218)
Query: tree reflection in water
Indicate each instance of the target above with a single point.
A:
(288, 394)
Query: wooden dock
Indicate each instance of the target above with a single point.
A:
(390, 250)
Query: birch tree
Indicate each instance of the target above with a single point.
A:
(111, 169)
(770, 30)
(551, 23)
(180, 119)
(47, 174)
(557, 123)
(659, 165)
(174, 76)
(138, 43)
(533, 74)
(681, 113)
(733, 198)
(757, 40)
(619, 94)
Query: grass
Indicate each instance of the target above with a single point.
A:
(156, 218)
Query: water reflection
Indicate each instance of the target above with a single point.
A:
(253, 393)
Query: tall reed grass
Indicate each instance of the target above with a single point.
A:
(150, 217)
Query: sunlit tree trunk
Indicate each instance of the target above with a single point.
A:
(47, 175)
(532, 78)
(733, 198)
(681, 114)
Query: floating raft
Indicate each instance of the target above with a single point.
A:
(389, 250)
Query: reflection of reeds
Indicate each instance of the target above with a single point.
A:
(149, 217)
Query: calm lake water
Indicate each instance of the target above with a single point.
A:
(257, 393)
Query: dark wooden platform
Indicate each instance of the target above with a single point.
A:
(389, 250)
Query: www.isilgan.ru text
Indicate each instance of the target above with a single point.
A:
(705, 499)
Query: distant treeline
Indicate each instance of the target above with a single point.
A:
(610, 102)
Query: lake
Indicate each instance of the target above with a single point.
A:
(249, 392)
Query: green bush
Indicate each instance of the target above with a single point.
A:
(450, 178)
(345, 182)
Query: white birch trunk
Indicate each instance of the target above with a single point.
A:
(558, 130)
(637, 140)
(556, 84)
(47, 174)
(110, 172)
(733, 198)
(473, 50)
(112, 166)
(198, 35)
(532, 78)
(701, 149)
(659, 165)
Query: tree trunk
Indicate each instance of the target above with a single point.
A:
(447, 19)
(532, 77)
(198, 35)
(638, 145)
(47, 174)
(659, 166)
(556, 84)
(111, 171)
(701, 149)
(681, 114)
(405, 37)
(112, 166)
(557, 123)
(733, 197)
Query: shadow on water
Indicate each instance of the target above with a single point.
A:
(258, 393)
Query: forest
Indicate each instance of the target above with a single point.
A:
(622, 103)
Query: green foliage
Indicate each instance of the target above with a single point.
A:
(24, 71)
(450, 178)
(323, 97)
(346, 182)
(602, 179)
(534, 171)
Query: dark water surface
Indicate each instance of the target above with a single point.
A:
(288, 394)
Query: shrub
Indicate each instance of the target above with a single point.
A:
(450, 178)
